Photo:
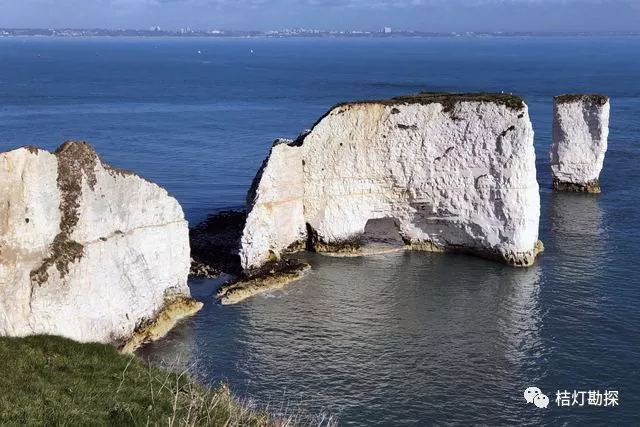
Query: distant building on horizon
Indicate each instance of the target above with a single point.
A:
(386, 30)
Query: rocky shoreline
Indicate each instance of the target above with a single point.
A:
(275, 276)
(591, 187)
(173, 311)
(215, 244)
(222, 229)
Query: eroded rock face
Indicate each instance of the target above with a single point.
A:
(455, 172)
(580, 134)
(87, 251)
(275, 218)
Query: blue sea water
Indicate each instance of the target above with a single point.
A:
(400, 339)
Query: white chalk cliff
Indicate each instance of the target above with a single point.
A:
(87, 251)
(454, 171)
(580, 137)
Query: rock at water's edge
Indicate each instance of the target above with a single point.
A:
(454, 171)
(580, 138)
(87, 251)
(277, 276)
(215, 244)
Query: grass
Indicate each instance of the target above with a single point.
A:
(579, 97)
(54, 381)
(447, 99)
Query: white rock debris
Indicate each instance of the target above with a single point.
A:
(580, 138)
(87, 251)
(454, 171)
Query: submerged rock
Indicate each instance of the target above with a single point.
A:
(455, 172)
(580, 134)
(87, 251)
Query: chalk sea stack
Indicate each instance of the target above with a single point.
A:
(454, 172)
(580, 134)
(87, 251)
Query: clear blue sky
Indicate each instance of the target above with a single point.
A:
(428, 15)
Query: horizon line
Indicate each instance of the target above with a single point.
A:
(310, 31)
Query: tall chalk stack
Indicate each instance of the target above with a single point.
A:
(580, 134)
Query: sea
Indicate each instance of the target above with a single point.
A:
(402, 339)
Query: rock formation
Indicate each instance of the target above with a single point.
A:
(275, 277)
(216, 241)
(87, 251)
(580, 133)
(455, 172)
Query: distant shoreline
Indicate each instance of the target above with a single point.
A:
(289, 33)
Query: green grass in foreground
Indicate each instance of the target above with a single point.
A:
(54, 381)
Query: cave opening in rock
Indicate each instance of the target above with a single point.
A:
(382, 233)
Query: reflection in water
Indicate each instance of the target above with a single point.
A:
(577, 234)
(392, 339)
(520, 325)
(404, 338)
(578, 242)
(576, 214)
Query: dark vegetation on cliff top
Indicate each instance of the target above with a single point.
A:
(54, 381)
(447, 99)
(593, 98)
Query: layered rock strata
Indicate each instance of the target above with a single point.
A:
(455, 172)
(87, 251)
(580, 138)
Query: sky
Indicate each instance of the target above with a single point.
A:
(425, 15)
